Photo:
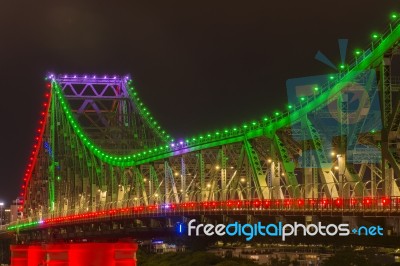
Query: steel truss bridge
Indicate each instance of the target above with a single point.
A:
(99, 154)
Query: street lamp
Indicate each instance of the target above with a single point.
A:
(1, 212)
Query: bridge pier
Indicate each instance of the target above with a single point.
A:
(76, 254)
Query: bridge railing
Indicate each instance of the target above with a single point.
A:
(365, 206)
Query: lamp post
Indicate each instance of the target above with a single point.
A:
(1, 213)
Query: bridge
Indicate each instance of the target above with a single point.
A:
(100, 157)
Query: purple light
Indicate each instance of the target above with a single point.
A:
(173, 145)
(105, 77)
(75, 77)
(115, 77)
(65, 76)
(181, 142)
(85, 77)
(94, 76)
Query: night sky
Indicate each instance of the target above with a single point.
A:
(198, 65)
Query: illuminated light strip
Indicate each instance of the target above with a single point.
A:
(24, 225)
(280, 121)
(38, 140)
(254, 129)
(117, 160)
(290, 204)
(146, 115)
(125, 160)
(104, 156)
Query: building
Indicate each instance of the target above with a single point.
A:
(15, 209)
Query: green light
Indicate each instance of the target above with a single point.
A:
(373, 131)
(302, 99)
(265, 118)
(342, 66)
(276, 113)
(316, 89)
(394, 16)
(375, 36)
(331, 77)
(357, 52)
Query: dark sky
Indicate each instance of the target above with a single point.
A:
(198, 65)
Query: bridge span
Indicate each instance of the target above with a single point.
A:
(99, 155)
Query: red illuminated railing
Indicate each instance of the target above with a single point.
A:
(382, 206)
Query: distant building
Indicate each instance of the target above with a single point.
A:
(7, 216)
(159, 247)
(274, 253)
(15, 209)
